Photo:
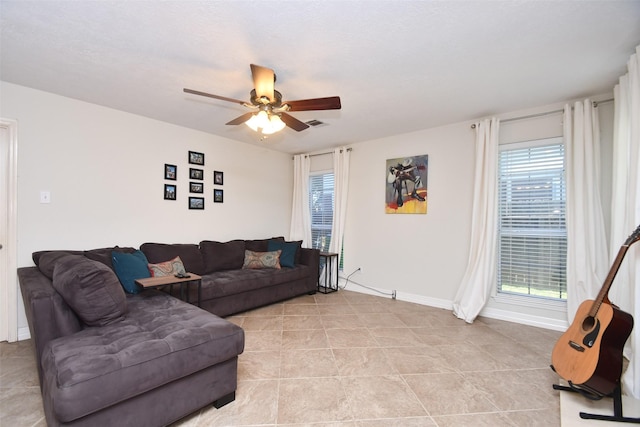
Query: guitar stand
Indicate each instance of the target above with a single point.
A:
(617, 407)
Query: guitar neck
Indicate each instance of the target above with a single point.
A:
(604, 291)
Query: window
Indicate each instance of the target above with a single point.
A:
(321, 206)
(532, 235)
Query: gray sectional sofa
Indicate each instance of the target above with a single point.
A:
(107, 357)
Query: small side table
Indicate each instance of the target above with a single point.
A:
(159, 281)
(330, 263)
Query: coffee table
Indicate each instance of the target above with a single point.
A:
(160, 281)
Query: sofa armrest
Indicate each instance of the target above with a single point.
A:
(311, 258)
(48, 315)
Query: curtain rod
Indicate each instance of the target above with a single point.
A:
(322, 154)
(547, 113)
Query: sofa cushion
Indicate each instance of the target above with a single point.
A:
(230, 282)
(104, 254)
(219, 256)
(130, 267)
(46, 261)
(188, 253)
(167, 268)
(162, 339)
(289, 250)
(260, 245)
(91, 289)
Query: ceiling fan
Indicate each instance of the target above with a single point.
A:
(269, 113)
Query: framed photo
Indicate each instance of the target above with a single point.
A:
(218, 177)
(170, 192)
(196, 173)
(170, 171)
(196, 202)
(196, 187)
(196, 158)
(218, 196)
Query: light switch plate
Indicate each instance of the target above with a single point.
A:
(45, 197)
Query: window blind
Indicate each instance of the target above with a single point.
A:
(532, 239)
(321, 203)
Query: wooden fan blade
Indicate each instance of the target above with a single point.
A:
(239, 120)
(292, 122)
(263, 81)
(329, 103)
(223, 98)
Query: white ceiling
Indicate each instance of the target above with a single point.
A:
(398, 66)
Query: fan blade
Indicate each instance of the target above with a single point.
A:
(223, 98)
(292, 122)
(329, 103)
(263, 81)
(240, 120)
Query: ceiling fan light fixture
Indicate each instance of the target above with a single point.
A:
(276, 123)
(265, 123)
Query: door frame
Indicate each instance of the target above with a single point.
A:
(9, 293)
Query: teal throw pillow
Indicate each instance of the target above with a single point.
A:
(129, 267)
(288, 255)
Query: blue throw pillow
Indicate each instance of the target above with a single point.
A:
(288, 255)
(128, 268)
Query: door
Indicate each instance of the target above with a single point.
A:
(8, 240)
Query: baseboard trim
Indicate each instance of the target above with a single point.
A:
(492, 313)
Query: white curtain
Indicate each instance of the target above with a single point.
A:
(587, 254)
(625, 211)
(300, 215)
(341, 158)
(480, 275)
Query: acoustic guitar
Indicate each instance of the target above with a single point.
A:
(589, 354)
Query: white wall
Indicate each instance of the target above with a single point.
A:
(105, 171)
(423, 257)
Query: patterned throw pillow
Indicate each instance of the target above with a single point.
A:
(257, 260)
(167, 268)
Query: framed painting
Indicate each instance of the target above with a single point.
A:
(406, 185)
(218, 196)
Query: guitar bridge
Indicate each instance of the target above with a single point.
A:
(576, 346)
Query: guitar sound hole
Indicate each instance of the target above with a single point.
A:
(588, 323)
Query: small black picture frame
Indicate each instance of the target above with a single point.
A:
(196, 202)
(196, 187)
(218, 195)
(196, 173)
(218, 178)
(170, 171)
(170, 191)
(196, 158)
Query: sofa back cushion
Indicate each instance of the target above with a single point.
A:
(219, 256)
(260, 245)
(188, 253)
(104, 255)
(91, 289)
(45, 260)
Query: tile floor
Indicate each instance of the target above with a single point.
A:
(357, 360)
